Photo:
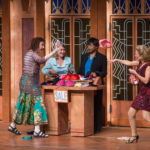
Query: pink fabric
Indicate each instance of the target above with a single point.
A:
(104, 43)
(61, 83)
(62, 76)
(70, 83)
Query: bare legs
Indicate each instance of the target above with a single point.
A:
(146, 115)
(132, 119)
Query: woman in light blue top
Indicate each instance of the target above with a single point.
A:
(60, 64)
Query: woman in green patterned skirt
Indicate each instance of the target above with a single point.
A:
(30, 108)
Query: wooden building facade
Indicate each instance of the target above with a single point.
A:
(124, 22)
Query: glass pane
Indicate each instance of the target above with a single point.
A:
(60, 30)
(143, 32)
(0, 57)
(82, 33)
(72, 6)
(119, 6)
(57, 6)
(147, 6)
(85, 6)
(135, 6)
(122, 49)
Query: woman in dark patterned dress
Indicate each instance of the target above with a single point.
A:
(142, 100)
(30, 108)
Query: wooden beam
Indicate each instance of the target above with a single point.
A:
(6, 60)
(40, 18)
(94, 18)
(101, 22)
(40, 25)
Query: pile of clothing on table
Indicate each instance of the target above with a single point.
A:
(69, 80)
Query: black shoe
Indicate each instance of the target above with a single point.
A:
(132, 139)
(30, 132)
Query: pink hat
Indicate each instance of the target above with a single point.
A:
(70, 83)
(104, 43)
(61, 83)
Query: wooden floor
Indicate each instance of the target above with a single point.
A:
(105, 140)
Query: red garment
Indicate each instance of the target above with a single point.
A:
(142, 100)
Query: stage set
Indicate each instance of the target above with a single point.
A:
(124, 24)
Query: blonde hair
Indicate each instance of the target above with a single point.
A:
(144, 52)
(56, 54)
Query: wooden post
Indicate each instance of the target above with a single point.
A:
(64, 7)
(98, 30)
(40, 25)
(94, 18)
(6, 60)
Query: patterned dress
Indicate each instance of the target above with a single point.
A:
(30, 108)
(142, 100)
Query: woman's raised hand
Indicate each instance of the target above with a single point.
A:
(132, 71)
(70, 70)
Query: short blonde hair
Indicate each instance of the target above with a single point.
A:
(144, 52)
(56, 54)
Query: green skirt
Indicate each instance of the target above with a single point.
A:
(30, 110)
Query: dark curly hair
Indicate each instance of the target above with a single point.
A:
(35, 43)
(93, 41)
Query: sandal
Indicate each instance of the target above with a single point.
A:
(40, 134)
(14, 130)
(132, 139)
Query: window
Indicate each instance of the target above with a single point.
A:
(70, 24)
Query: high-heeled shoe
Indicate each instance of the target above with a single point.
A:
(132, 139)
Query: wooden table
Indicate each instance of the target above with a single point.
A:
(82, 110)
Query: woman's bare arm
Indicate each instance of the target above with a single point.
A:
(145, 79)
(126, 62)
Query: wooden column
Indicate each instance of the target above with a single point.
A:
(98, 30)
(6, 60)
(40, 25)
(102, 21)
(94, 18)
(40, 18)
(47, 26)
(98, 20)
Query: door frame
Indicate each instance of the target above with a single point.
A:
(124, 106)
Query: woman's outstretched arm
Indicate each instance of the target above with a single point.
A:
(125, 62)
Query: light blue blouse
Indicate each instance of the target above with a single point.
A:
(52, 64)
